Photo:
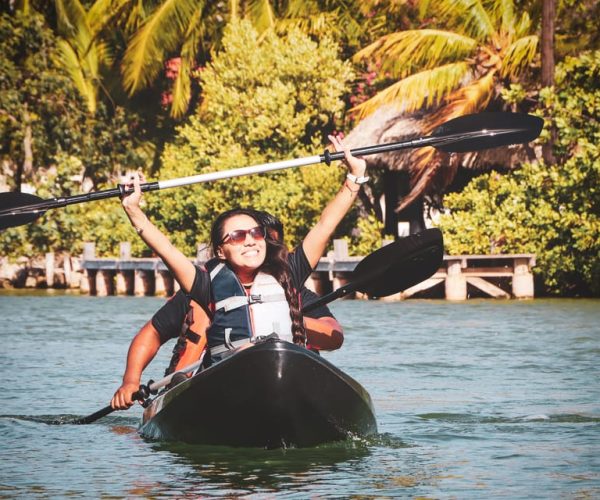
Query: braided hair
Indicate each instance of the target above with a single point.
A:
(276, 262)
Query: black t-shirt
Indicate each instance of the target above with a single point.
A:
(169, 319)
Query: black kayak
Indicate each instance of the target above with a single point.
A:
(270, 394)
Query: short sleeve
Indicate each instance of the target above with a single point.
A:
(299, 267)
(200, 292)
(169, 319)
(307, 297)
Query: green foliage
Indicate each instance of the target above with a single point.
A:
(552, 210)
(40, 109)
(366, 237)
(264, 100)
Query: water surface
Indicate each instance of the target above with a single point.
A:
(482, 399)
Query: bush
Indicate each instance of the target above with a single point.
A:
(263, 100)
(549, 210)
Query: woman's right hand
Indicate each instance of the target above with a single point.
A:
(122, 398)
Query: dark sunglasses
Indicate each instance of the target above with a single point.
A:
(238, 236)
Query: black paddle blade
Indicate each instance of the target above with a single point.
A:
(400, 265)
(487, 130)
(13, 210)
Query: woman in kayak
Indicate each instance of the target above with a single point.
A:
(182, 319)
(250, 260)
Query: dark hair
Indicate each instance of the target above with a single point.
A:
(270, 222)
(275, 264)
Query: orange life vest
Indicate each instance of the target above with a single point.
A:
(192, 341)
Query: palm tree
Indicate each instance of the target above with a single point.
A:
(81, 54)
(187, 30)
(440, 73)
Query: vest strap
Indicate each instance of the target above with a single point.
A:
(220, 349)
(216, 270)
(192, 336)
(230, 346)
(240, 301)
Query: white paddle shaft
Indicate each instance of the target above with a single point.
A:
(238, 172)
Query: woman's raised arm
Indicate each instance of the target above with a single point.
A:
(180, 266)
(318, 237)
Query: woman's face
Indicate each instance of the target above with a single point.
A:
(247, 255)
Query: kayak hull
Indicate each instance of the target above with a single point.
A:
(271, 394)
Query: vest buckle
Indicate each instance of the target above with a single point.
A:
(254, 299)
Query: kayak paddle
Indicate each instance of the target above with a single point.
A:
(466, 133)
(391, 269)
(394, 268)
(140, 395)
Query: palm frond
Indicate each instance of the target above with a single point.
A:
(182, 88)
(320, 24)
(71, 62)
(80, 55)
(73, 26)
(405, 52)
(70, 18)
(425, 89)
(423, 168)
(425, 162)
(519, 55)
(468, 17)
(158, 36)
(523, 27)
(261, 14)
(234, 9)
(502, 13)
(471, 98)
(103, 13)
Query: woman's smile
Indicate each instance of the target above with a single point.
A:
(245, 256)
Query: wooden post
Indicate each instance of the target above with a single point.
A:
(121, 283)
(50, 269)
(163, 283)
(340, 252)
(89, 251)
(88, 279)
(105, 283)
(340, 249)
(316, 282)
(522, 282)
(139, 285)
(125, 250)
(67, 270)
(456, 284)
(88, 282)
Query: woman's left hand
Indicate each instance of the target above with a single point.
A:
(356, 166)
(132, 199)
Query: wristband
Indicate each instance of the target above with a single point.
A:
(357, 180)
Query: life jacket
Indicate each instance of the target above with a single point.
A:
(192, 340)
(240, 316)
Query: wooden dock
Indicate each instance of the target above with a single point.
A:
(461, 276)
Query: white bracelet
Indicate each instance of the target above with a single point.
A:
(357, 180)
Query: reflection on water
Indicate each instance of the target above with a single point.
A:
(492, 399)
(237, 467)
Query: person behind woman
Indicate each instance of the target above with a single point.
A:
(248, 253)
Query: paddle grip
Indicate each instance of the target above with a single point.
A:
(327, 157)
(148, 186)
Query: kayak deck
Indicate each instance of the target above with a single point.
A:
(271, 394)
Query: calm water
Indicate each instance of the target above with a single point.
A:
(486, 399)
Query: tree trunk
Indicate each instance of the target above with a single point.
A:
(548, 17)
(25, 169)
